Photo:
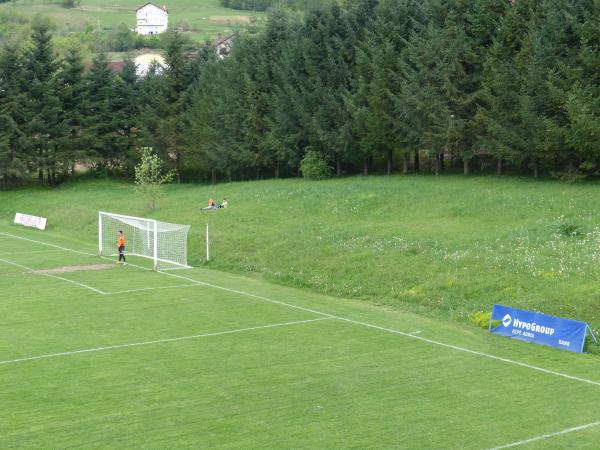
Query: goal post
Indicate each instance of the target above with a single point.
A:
(164, 243)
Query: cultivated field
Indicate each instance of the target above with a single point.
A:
(205, 18)
(126, 357)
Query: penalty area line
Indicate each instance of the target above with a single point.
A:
(128, 291)
(98, 291)
(162, 341)
(30, 252)
(548, 436)
(47, 244)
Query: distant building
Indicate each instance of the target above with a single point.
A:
(151, 19)
(223, 45)
(147, 60)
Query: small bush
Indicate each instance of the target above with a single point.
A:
(70, 3)
(480, 319)
(314, 166)
(570, 229)
(591, 345)
(571, 177)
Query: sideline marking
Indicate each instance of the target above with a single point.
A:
(161, 341)
(402, 333)
(98, 291)
(248, 294)
(546, 436)
(389, 330)
(473, 352)
(415, 332)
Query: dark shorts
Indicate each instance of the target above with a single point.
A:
(121, 249)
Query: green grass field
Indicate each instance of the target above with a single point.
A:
(205, 18)
(240, 363)
(125, 357)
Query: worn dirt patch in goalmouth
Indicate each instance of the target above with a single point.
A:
(80, 268)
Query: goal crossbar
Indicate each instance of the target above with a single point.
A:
(162, 242)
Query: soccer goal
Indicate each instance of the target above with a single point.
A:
(164, 243)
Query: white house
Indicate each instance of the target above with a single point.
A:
(151, 19)
(143, 63)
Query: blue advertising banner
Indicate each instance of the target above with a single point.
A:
(539, 328)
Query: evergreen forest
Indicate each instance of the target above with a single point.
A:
(363, 86)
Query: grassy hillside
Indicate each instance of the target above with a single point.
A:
(448, 246)
(205, 17)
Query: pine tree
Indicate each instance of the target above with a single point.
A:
(43, 107)
(163, 119)
(583, 98)
(422, 110)
(327, 55)
(500, 113)
(99, 123)
(378, 67)
(14, 160)
(70, 88)
(550, 67)
(442, 75)
(125, 111)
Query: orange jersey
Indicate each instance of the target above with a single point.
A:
(121, 240)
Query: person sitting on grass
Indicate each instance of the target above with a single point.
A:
(223, 203)
(211, 205)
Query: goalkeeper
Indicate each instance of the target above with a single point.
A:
(121, 246)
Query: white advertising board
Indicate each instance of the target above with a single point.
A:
(31, 221)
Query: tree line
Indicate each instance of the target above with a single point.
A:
(266, 5)
(367, 85)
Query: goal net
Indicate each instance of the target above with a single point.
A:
(164, 243)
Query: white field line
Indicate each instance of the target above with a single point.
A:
(126, 264)
(162, 341)
(45, 243)
(547, 436)
(365, 324)
(410, 335)
(473, 352)
(98, 291)
(248, 294)
(152, 289)
(32, 251)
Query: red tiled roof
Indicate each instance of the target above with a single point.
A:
(116, 66)
(164, 8)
